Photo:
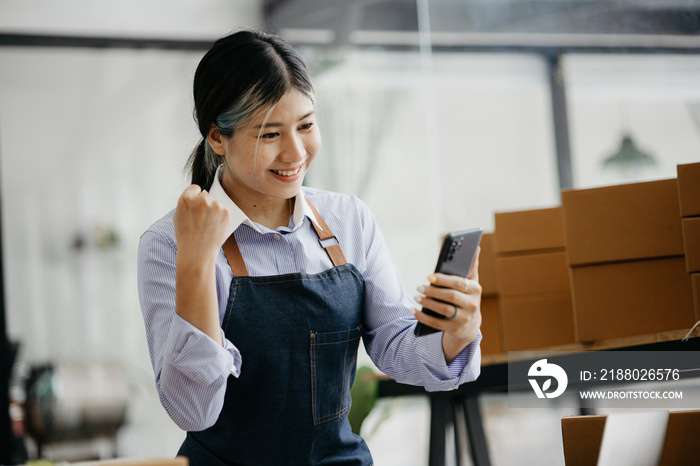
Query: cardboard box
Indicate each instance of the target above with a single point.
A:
(621, 223)
(529, 230)
(533, 274)
(691, 242)
(631, 298)
(695, 282)
(531, 322)
(689, 189)
(583, 435)
(490, 326)
(488, 279)
(680, 446)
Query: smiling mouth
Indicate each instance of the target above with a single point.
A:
(286, 172)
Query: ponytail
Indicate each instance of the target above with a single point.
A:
(203, 163)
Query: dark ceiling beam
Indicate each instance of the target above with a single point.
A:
(532, 43)
(402, 40)
(41, 40)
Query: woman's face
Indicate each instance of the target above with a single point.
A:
(286, 145)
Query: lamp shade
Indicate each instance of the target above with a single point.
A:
(628, 157)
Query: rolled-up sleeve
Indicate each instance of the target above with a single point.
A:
(389, 338)
(190, 368)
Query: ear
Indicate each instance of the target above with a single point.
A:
(216, 140)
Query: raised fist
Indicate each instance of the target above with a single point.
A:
(201, 224)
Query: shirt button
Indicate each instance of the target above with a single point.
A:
(277, 236)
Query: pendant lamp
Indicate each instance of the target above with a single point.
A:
(629, 158)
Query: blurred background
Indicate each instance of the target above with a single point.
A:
(437, 113)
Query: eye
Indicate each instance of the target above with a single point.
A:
(269, 135)
(306, 126)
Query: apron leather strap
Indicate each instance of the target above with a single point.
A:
(234, 257)
(325, 236)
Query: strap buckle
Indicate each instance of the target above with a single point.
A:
(324, 246)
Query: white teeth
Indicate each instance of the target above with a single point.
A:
(286, 172)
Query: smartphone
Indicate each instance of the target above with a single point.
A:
(457, 255)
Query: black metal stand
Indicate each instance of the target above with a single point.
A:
(475, 431)
(440, 417)
(444, 413)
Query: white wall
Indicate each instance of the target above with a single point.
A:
(177, 19)
(656, 98)
(90, 140)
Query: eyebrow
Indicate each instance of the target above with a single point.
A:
(275, 124)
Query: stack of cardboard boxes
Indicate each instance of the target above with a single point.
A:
(610, 262)
(626, 256)
(533, 278)
(490, 319)
(689, 199)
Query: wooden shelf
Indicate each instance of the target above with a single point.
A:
(626, 342)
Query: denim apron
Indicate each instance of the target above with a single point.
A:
(298, 335)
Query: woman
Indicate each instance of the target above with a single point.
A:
(256, 291)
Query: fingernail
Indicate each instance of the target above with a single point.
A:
(418, 299)
(421, 289)
(414, 310)
(432, 278)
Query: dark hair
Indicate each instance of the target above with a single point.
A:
(240, 74)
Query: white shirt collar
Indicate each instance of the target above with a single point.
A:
(301, 207)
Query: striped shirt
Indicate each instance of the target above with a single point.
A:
(191, 369)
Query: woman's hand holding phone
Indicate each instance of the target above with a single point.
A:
(451, 302)
(442, 296)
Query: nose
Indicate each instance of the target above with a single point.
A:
(294, 149)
